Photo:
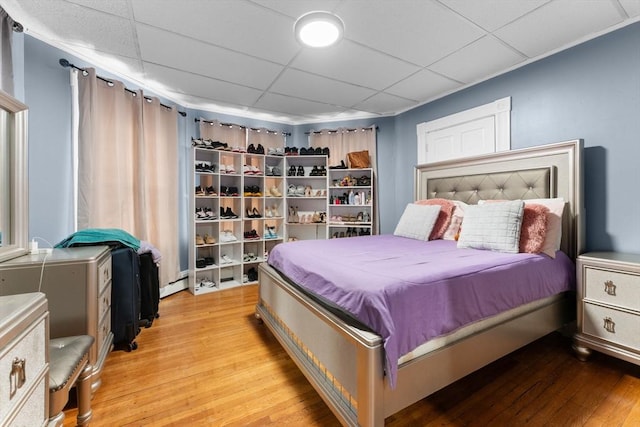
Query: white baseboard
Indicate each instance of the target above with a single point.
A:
(174, 287)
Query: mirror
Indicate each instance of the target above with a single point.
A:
(14, 197)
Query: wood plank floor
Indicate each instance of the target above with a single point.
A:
(207, 362)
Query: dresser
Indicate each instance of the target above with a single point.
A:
(24, 362)
(608, 305)
(77, 283)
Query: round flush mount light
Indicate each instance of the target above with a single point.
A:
(318, 29)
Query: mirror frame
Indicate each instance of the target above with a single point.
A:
(17, 165)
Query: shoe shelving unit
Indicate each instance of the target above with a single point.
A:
(238, 216)
(306, 197)
(351, 202)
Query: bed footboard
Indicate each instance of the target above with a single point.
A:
(344, 364)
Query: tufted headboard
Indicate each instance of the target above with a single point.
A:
(546, 171)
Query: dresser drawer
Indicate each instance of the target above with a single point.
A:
(104, 328)
(33, 408)
(104, 274)
(29, 354)
(104, 302)
(612, 325)
(612, 287)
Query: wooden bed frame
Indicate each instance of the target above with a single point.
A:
(345, 364)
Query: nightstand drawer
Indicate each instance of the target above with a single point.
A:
(612, 325)
(612, 287)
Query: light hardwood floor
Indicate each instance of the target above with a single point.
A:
(207, 362)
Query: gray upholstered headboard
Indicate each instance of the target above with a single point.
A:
(553, 170)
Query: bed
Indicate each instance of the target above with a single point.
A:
(346, 361)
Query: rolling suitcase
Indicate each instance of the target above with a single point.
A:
(125, 298)
(149, 290)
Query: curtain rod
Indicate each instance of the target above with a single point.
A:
(212, 122)
(67, 64)
(374, 127)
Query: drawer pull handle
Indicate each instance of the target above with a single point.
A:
(18, 376)
(609, 325)
(610, 288)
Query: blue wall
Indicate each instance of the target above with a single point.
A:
(591, 91)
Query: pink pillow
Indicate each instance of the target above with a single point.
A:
(534, 228)
(444, 217)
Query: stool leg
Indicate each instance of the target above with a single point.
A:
(83, 388)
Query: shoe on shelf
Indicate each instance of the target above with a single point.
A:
(201, 214)
(229, 213)
(276, 171)
(211, 191)
(268, 213)
(300, 171)
(200, 191)
(274, 211)
(275, 192)
(209, 240)
(259, 149)
(199, 240)
(253, 274)
(224, 259)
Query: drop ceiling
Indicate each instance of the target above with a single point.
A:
(241, 57)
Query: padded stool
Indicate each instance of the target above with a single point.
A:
(68, 366)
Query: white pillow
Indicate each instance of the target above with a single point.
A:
(553, 236)
(417, 221)
(492, 226)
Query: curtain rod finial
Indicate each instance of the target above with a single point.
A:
(64, 62)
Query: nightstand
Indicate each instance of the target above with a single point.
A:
(608, 305)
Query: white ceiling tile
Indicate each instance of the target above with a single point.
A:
(632, 7)
(309, 86)
(352, 63)
(114, 7)
(423, 85)
(297, 8)
(61, 21)
(493, 14)
(295, 106)
(484, 57)
(384, 103)
(400, 28)
(192, 84)
(241, 26)
(174, 51)
(557, 24)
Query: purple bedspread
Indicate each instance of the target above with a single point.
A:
(410, 291)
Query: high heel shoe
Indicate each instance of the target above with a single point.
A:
(307, 191)
(274, 211)
(268, 213)
(256, 213)
(300, 171)
(293, 214)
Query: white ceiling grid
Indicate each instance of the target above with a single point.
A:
(240, 56)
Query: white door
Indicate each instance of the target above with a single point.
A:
(468, 139)
(480, 130)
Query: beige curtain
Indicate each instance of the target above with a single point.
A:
(342, 141)
(6, 55)
(127, 167)
(266, 138)
(232, 135)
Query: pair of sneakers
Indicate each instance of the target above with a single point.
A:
(227, 236)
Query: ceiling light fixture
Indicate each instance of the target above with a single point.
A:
(318, 29)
